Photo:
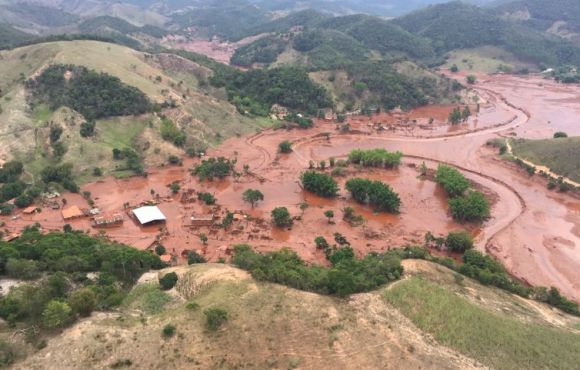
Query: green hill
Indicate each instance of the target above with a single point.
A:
(457, 25)
(10, 36)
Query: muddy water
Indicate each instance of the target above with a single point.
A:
(534, 233)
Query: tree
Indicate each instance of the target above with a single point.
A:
(319, 184)
(175, 188)
(454, 68)
(168, 331)
(472, 207)
(252, 196)
(330, 215)
(97, 172)
(321, 243)
(56, 315)
(285, 147)
(83, 301)
(207, 198)
(203, 238)
(560, 134)
(459, 241)
(228, 220)
(466, 113)
(471, 79)
(160, 250)
(168, 281)
(215, 318)
(281, 217)
(455, 116)
(87, 129)
(375, 193)
(193, 257)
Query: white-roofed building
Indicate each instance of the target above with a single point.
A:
(149, 214)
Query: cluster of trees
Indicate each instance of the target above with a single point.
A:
(60, 174)
(212, 167)
(285, 147)
(319, 184)
(375, 158)
(457, 115)
(170, 132)
(59, 263)
(456, 241)
(281, 217)
(302, 122)
(95, 95)
(472, 206)
(12, 187)
(257, 90)
(347, 275)
(133, 159)
(379, 195)
(264, 51)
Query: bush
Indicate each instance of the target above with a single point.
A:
(473, 207)
(170, 132)
(285, 147)
(215, 318)
(319, 184)
(97, 172)
(207, 198)
(560, 135)
(56, 315)
(173, 159)
(168, 281)
(281, 217)
(168, 331)
(193, 257)
(453, 181)
(83, 301)
(88, 129)
(160, 250)
(459, 241)
(375, 193)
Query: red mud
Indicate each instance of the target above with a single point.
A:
(536, 234)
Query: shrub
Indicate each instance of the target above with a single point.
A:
(87, 129)
(471, 79)
(168, 331)
(193, 257)
(160, 250)
(207, 198)
(56, 315)
(472, 207)
(560, 135)
(83, 301)
(319, 184)
(173, 159)
(215, 318)
(321, 243)
(281, 217)
(285, 147)
(375, 193)
(459, 241)
(97, 172)
(453, 181)
(168, 281)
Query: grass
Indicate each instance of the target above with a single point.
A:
(486, 59)
(496, 340)
(559, 155)
(147, 298)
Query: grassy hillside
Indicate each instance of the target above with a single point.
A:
(559, 155)
(270, 326)
(24, 133)
(10, 36)
(458, 26)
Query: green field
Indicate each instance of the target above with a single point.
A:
(559, 155)
(486, 59)
(494, 338)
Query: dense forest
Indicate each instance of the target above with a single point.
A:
(95, 95)
(257, 90)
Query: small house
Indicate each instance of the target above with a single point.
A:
(149, 215)
(72, 212)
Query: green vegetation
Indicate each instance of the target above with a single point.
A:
(170, 132)
(94, 95)
(212, 167)
(285, 147)
(168, 281)
(379, 195)
(552, 153)
(215, 318)
(193, 257)
(264, 51)
(347, 276)
(252, 196)
(11, 37)
(288, 86)
(319, 184)
(494, 338)
(472, 207)
(168, 331)
(453, 181)
(459, 241)
(61, 263)
(281, 217)
(560, 135)
(375, 158)
(208, 198)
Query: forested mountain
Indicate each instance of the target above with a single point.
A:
(10, 36)
(457, 25)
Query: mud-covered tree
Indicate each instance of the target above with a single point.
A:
(160, 250)
(285, 147)
(203, 238)
(214, 167)
(453, 181)
(455, 116)
(471, 79)
(330, 215)
(252, 196)
(281, 217)
(319, 184)
(459, 241)
(321, 243)
(473, 207)
(379, 195)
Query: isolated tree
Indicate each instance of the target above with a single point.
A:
(203, 238)
(330, 215)
(174, 188)
(560, 135)
(471, 79)
(281, 217)
(454, 68)
(252, 196)
(285, 147)
(168, 281)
